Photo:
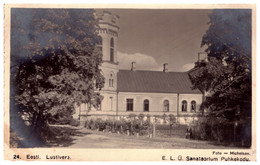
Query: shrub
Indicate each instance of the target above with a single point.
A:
(164, 116)
(74, 122)
(132, 115)
(117, 126)
(146, 128)
(123, 126)
(86, 124)
(109, 124)
(136, 125)
(141, 116)
(148, 117)
(92, 124)
(172, 119)
(102, 125)
(126, 125)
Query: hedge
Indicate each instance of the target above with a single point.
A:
(127, 127)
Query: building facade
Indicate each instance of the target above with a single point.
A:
(128, 92)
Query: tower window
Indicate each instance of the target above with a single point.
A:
(146, 105)
(111, 80)
(166, 106)
(100, 44)
(193, 106)
(111, 103)
(184, 106)
(112, 50)
(129, 104)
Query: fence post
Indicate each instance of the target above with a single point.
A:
(170, 129)
(154, 129)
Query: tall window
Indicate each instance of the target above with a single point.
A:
(112, 50)
(184, 106)
(111, 103)
(111, 80)
(100, 44)
(193, 106)
(129, 104)
(166, 106)
(99, 102)
(146, 105)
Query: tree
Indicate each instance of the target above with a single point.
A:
(57, 65)
(226, 76)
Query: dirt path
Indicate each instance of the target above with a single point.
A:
(95, 139)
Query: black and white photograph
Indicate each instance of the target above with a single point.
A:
(131, 78)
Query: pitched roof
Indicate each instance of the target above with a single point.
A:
(155, 82)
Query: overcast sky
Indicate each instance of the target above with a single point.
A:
(153, 37)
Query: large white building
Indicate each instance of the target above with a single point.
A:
(134, 91)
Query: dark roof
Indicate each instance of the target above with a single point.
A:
(154, 82)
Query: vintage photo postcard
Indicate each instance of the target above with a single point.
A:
(130, 82)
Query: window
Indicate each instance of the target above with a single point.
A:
(111, 103)
(111, 80)
(129, 104)
(184, 106)
(166, 106)
(99, 44)
(99, 101)
(146, 105)
(193, 106)
(112, 50)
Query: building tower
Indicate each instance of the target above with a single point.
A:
(108, 33)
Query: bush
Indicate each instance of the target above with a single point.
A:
(92, 125)
(148, 117)
(141, 116)
(126, 126)
(172, 119)
(109, 124)
(136, 126)
(132, 115)
(146, 128)
(118, 124)
(102, 125)
(74, 122)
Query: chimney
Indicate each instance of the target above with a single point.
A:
(133, 66)
(165, 67)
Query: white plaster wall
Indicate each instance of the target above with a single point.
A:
(106, 43)
(106, 105)
(155, 102)
(107, 69)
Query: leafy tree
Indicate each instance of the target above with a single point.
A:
(226, 76)
(56, 63)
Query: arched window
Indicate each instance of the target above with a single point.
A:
(111, 80)
(146, 105)
(166, 106)
(184, 106)
(112, 50)
(193, 106)
(100, 44)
